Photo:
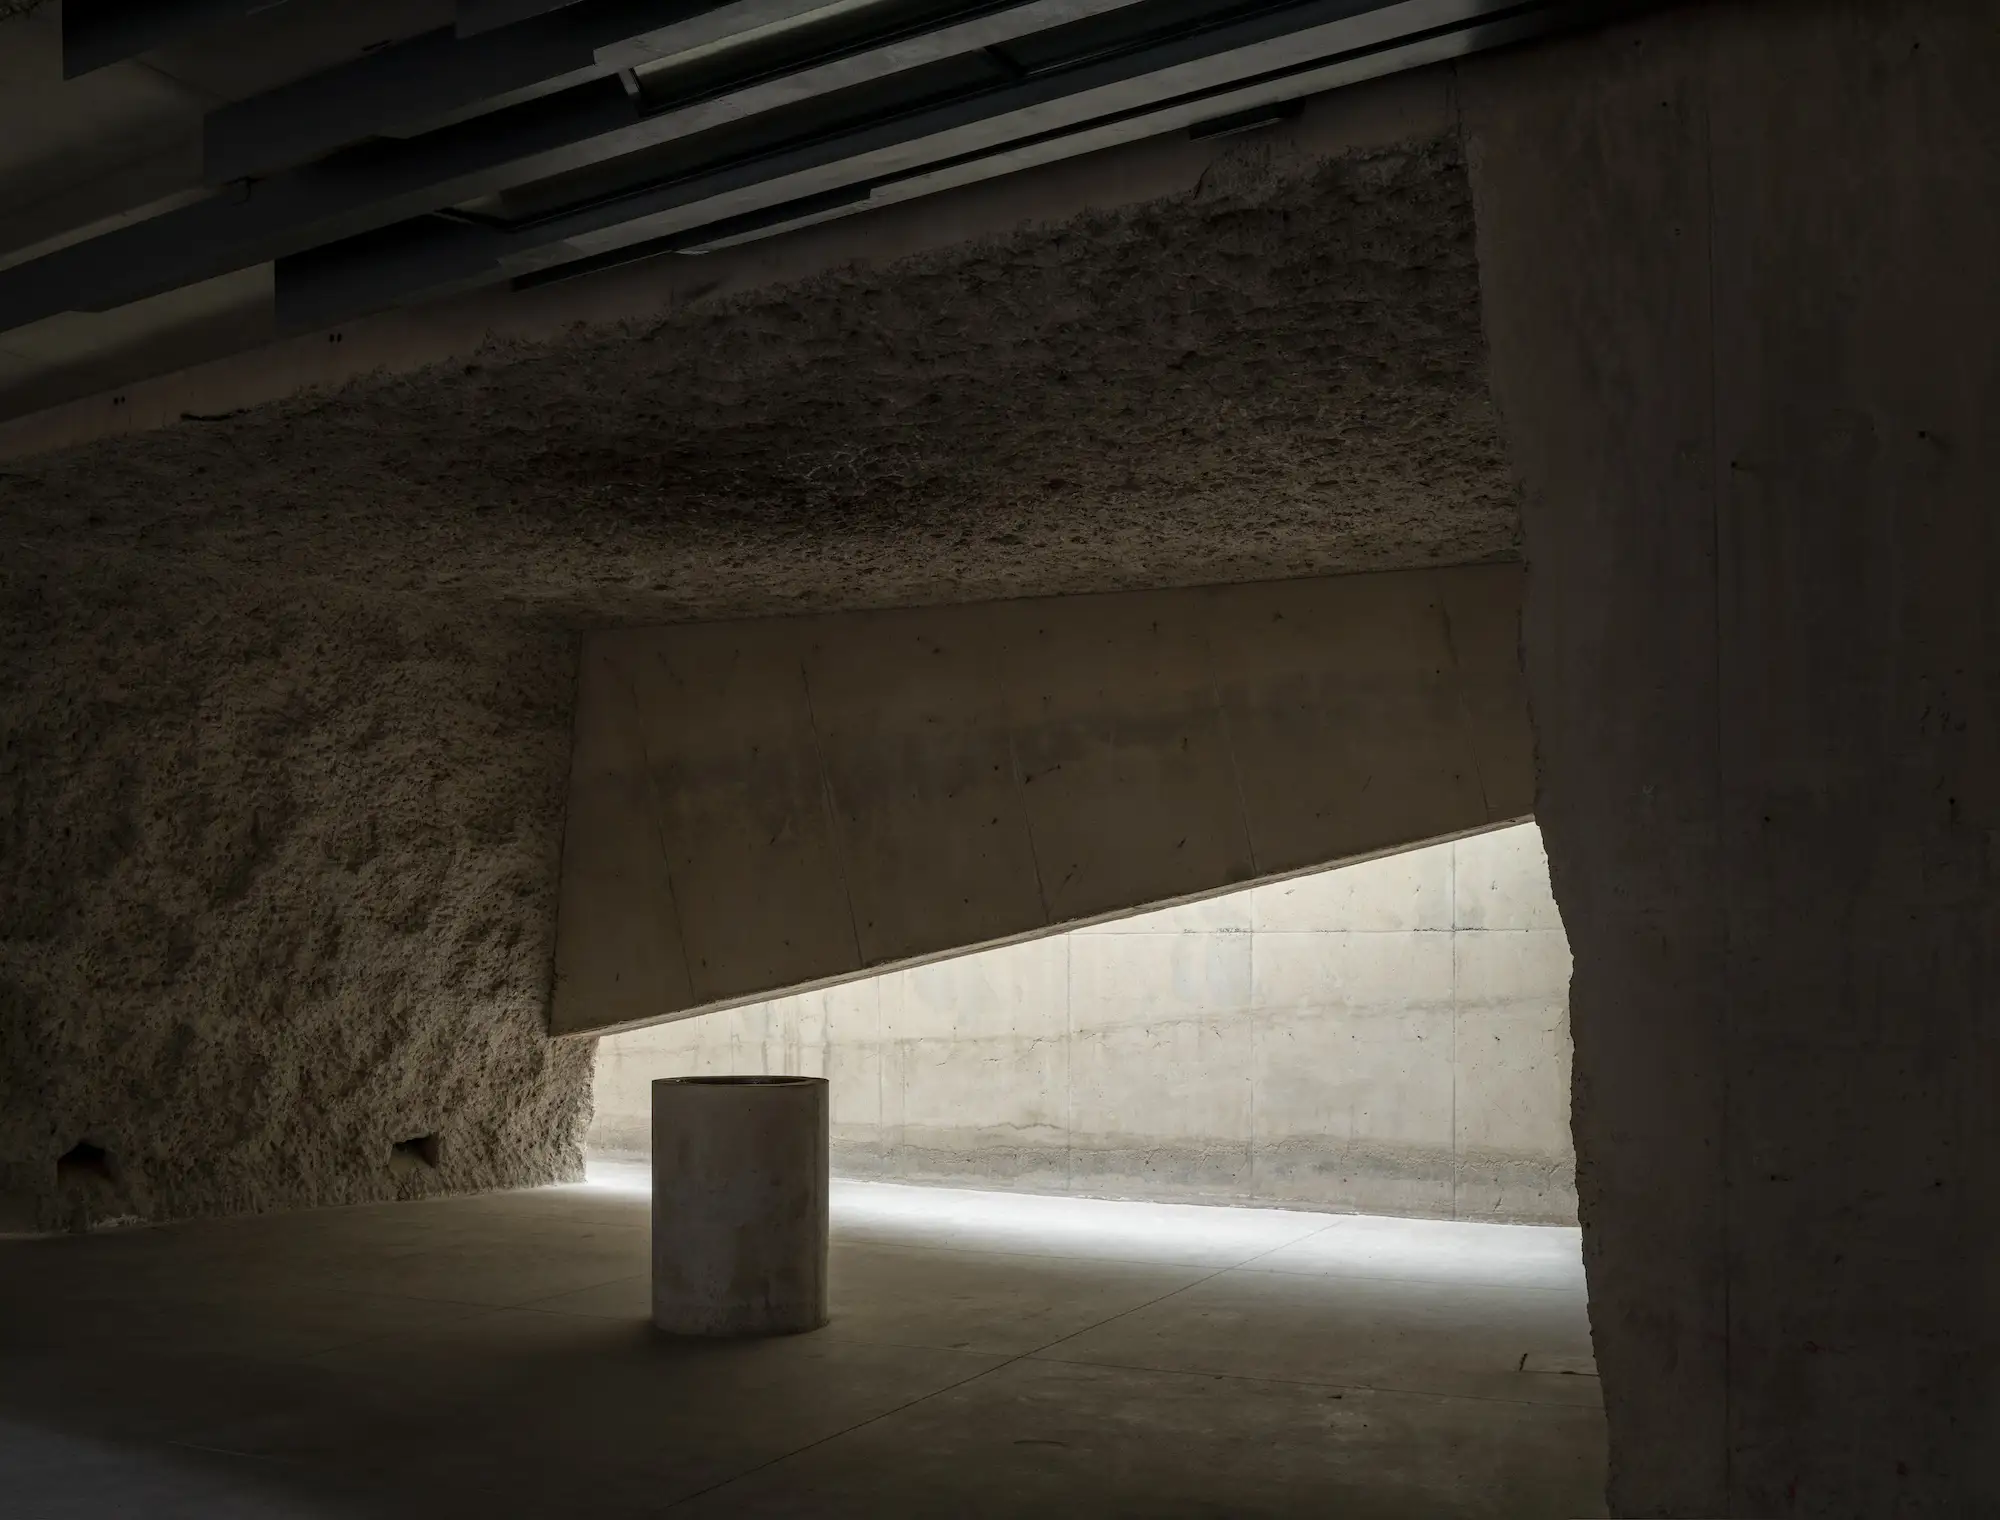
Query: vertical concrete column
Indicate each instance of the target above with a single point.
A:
(739, 1205)
(1737, 265)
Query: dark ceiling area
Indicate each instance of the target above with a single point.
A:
(370, 165)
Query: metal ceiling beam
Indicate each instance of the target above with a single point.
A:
(368, 227)
(97, 33)
(388, 181)
(345, 195)
(425, 80)
(476, 16)
(778, 218)
(1213, 73)
(446, 74)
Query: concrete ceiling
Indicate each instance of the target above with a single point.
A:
(255, 168)
(1279, 372)
(81, 157)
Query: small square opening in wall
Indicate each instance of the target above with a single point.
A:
(84, 1162)
(420, 1153)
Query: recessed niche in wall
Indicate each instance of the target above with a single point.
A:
(418, 1154)
(84, 1162)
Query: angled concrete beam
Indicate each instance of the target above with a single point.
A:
(781, 802)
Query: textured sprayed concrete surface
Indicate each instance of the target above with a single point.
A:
(1272, 375)
(286, 693)
(277, 895)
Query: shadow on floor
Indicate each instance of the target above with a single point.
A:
(990, 1355)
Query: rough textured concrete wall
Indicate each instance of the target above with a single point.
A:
(1390, 1037)
(276, 880)
(247, 650)
(1279, 372)
(1738, 266)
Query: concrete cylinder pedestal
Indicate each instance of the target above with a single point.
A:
(739, 1205)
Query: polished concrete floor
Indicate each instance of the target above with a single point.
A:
(990, 1355)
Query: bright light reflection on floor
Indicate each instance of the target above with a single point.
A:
(1273, 1240)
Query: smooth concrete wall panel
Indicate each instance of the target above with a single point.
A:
(914, 738)
(1117, 980)
(1620, 433)
(1501, 881)
(1355, 1051)
(1738, 272)
(1363, 971)
(617, 874)
(1228, 910)
(736, 799)
(836, 793)
(1356, 1105)
(1019, 995)
(1361, 683)
(1166, 1110)
(1857, 577)
(1483, 624)
(1116, 729)
(1407, 891)
(1338, 1040)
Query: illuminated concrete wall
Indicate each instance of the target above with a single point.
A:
(1390, 1036)
(760, 806)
